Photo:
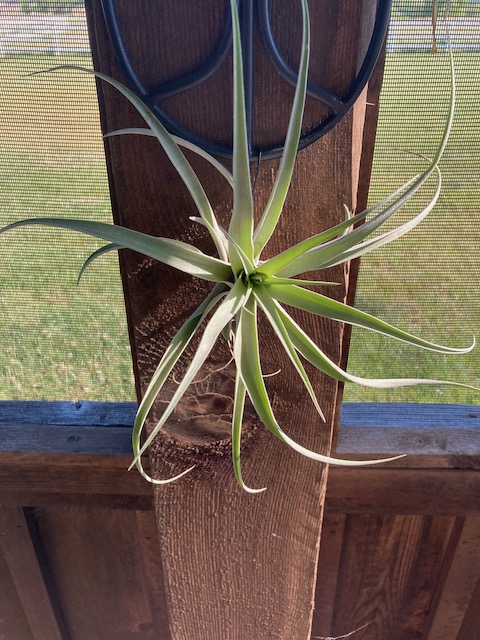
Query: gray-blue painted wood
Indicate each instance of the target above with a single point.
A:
(98, 428)
(104, 428)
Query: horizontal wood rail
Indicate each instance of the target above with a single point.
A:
(399, 551)
(65, 452)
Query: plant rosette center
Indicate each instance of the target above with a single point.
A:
(252, 279)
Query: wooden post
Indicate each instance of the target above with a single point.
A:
(236, 566)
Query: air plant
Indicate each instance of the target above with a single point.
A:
(243, 282)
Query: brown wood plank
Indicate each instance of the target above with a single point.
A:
(34, 479)
(80, 412)
(470, 629)
(388, 572)
(328, 573)
(105, 569)
(30, 479)
(224, 554)
(409, 491)
(429, 435)
(13, 622)
(44, 618)
(53, 480)
(456, 591)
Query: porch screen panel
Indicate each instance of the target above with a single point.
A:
(428, 281)
(59, 340)
(63, 341)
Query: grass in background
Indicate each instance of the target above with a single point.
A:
(60, 341)
(427, 282)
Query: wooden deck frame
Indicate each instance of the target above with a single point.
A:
(72, 458)
(441, 444)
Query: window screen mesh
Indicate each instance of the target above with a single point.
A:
(60, 341)
(427, 282)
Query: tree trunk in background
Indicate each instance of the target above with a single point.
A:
(236, 566)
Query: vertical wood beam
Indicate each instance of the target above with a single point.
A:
(235, 566)
(44, 619)
(388, 570)
(456, 607)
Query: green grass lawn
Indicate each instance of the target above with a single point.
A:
(427, 282)
(60, 341)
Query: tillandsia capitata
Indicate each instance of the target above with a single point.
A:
(244, 283)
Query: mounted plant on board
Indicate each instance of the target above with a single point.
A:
(244, 283)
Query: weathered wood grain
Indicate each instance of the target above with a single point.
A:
(470, 629)
(409, 491)
(87, 428)
(82, 412)
(389, 568)
(31, 479)
(105, 570)
(13, 621)
(232, 569)
(44, 617)
(455, 593)
(429, 435)
(432, 435)
(329, 560)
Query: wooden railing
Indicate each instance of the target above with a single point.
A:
(400, 548)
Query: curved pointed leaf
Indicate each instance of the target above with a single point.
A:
(322, 306)
(169, 359)
(169, 145)
(186, 144)
(267, 304)
(222, 316)
(284, 259)
(176, 254)
(274, 207)
(96, 254)
(273, 281)
(241, 223)
(237, 419)
(332, 253)
(248, 365)
(311, 352)
(348, 247)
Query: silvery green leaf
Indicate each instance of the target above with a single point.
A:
(237, 419)
(241, 223)
(186, 144)
(333, 252)
(347, 248)
(275, 204)
(267, 304)
(273, 280)
(170, 147)
(224, 313)
(176, 254)
(96, 254)
(248, 365)
(284, 259)
(168, 361)
(311, 352)
(329, 308)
